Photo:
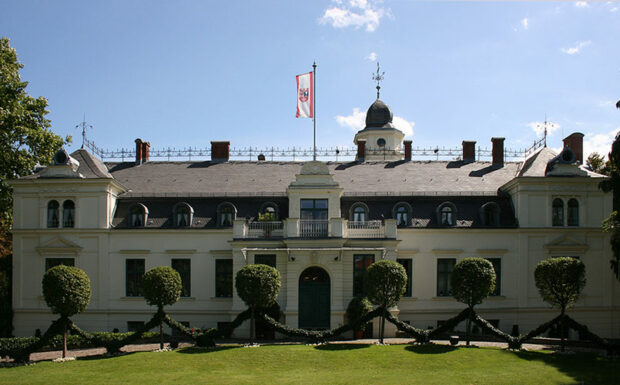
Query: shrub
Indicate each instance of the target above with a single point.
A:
(472, 280)
(386, 282)
(161, 286)
(358, 308)
(66, 290)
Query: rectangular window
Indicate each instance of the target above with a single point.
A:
(134, 270)
(265, 259)
(184, 268)
(407, 264)
(497, 266)
(444, 270)
(223, 278)
(360, 263)
(134, 326)
(53, 262)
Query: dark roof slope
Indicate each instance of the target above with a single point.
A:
(90, 166)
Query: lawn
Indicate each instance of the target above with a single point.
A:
(326, 364)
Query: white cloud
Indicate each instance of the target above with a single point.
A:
(577, 48)
(355, 13)
(525, 23)
(614, 9)
(581, 4)
(600, 143)
(357, 121)
(372, 56)
(606, 103)
(539, 128)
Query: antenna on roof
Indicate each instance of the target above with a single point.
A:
(84, 127)
(378, 77)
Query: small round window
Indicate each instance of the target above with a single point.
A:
(381, 142)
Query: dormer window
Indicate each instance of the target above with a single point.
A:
(138, 215)
(402, 214)
(490, 214)
(557, 212)
(183, 214)
(68, 214)
(268, 212)
(52, 214)
(573, 212)
(446, 214)
(359, 212)
(226, 214)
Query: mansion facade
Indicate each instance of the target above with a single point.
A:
(321, 224)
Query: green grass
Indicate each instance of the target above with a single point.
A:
(326, 364)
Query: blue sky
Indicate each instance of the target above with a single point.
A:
(184, 73)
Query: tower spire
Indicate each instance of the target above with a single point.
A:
(84, 126)
(378, 77)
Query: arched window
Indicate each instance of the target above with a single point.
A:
(68, 214)
(573, 212)
(446, 214)
(52, 214)
(490, 214)
(358, 212)
(138, 215)
(183, 214)
(226, 214)
(402, 214)
(558, 212)
(269, 212)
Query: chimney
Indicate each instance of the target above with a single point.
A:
(575, 142)
(498, 150)
(146, 147)
(220, 151)
(407, 144)
(469, 150)
(361, 150)
(138, 151)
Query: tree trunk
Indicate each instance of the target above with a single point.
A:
(562, 328)
(161, 329)
(64, 339)
(252, 326)
(468, 331)
(382, 328)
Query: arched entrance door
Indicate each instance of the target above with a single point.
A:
(314, 299)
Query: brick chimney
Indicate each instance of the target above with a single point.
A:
(498, 150)
(469, 150)
(138, 151)
(407, 144)
(361, 150)
(575, 142)
(220, 151)
(146, 147)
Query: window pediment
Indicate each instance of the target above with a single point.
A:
(566, 244)
(59, 246)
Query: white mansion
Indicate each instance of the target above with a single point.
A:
(327, 223)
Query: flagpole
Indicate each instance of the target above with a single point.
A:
(314, 106)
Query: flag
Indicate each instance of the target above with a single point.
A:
(305, 96)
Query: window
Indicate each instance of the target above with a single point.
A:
(360, 263)
(223, 278)
(444, 270)
(134, 270)
(573, 212)
(497, 266)
(402, 214)
(359, 212)
(184, 268)
(313, 209)
(53, 262)
(68, 214)
(558, 212)
(265, 259)
(446, 214)
(490, 214)
(138, 215)
(52, 214)
(134, 326)
(407, 264)
(226, 214)
(183, 214)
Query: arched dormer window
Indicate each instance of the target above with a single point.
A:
(68, 214)
(402, 213)
(557, 212)
(138, 215)
(446, 214)
(183, 214)
(52, 214)
(358, 212)
(226, 214)
(573, 212)
(269, 212)
(489, 213)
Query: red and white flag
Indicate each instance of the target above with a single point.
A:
(305, 94)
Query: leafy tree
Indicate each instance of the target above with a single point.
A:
(386, 283)
(472, 280)
(596, 162)
(560, 281)
(258, 286)
(67, 292)
(357, 309)
(161, 286)
(612, 184)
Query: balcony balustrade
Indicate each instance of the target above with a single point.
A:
(313, 228)
(365, 229)
(305, 228)
(268, 229)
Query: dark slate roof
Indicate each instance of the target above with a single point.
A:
(90, 166)
(234, 178)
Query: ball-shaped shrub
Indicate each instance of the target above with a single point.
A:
(358, 308)
(560, 280)
(66, 290)
(386, 282)
(161, 286)
(472, 280)
(258, 285)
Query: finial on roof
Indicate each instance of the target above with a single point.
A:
(378, 77)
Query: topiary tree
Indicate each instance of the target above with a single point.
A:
(386, 282)
(161, 286)
(258, 286)
(66, 290)
(358, 308)
(559, 281)
(472, 280)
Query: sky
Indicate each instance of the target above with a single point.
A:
(184, 73)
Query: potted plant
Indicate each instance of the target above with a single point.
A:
(266, 217)
(358, 308)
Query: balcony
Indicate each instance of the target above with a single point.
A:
(264, 230)
(366, 229)
(313, 228)
(303, 228)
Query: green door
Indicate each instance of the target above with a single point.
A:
(314, 299)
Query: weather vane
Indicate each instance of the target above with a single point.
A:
(84, 126)
(378, 77)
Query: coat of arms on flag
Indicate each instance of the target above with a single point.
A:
(305, 107)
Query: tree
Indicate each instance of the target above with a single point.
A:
(161, 286)
(559, 281)
(66, 290)
(258, 286)
(386, 282)
(596, 162)
(358, 308)
(472, 280)
(612, 184)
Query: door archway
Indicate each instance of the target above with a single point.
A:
(314, 298)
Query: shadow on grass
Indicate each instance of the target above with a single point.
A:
(430, 349)
(107, 356)
(338, 347)
(198, 350)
